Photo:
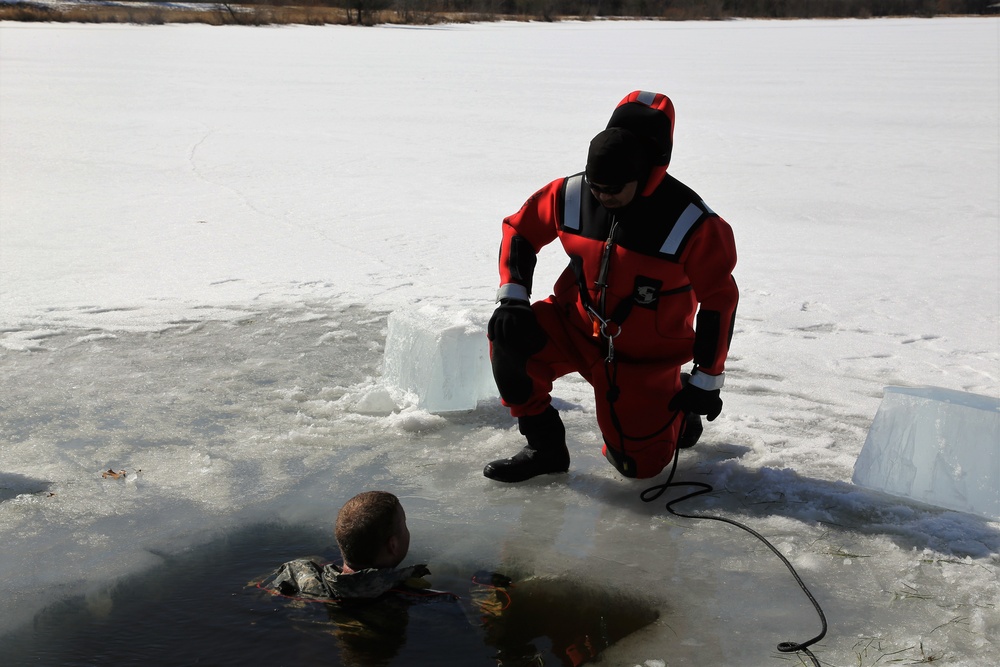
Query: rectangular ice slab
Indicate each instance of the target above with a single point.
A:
(937, 446)
(439, 358)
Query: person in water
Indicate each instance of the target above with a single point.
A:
(369, 598)
(373, 540)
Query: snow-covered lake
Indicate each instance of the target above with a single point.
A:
(203, 230)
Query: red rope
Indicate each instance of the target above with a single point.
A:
(499, 589)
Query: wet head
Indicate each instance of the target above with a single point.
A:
(371, 531)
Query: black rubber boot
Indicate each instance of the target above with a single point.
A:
(545, 452)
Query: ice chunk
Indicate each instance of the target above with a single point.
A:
(440, 357)
(937, 446)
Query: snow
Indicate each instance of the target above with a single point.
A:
(935, 446)
(203, 232)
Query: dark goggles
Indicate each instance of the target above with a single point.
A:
(607, 189)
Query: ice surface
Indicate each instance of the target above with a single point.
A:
(438, 359)
(938, 446)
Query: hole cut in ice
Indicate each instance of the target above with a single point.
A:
(202, 607)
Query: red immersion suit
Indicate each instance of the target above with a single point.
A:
(647, 271)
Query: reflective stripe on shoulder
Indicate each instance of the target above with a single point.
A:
(685, 223)
(646, 97)
(571, 202)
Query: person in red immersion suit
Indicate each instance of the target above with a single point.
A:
(648, 288)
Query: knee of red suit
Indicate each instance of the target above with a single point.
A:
(640, 463)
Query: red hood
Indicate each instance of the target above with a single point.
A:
(650, 116)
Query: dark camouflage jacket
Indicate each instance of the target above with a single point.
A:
(306, 577)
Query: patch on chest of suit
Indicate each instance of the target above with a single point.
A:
(646, 293)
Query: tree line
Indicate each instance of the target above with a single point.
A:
(364, 11)
(370, 12)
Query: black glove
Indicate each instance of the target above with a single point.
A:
(692, 400)
(515, 327)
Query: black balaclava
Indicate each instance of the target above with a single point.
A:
(615, 158)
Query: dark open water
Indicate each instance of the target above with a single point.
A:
(200, 608)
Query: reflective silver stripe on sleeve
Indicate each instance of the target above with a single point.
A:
(706, 381)
(646, 98)
(682, 227)
(513, 291)
(571, 203)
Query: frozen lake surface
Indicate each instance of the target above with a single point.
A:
(231, 423)
(203, 232)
